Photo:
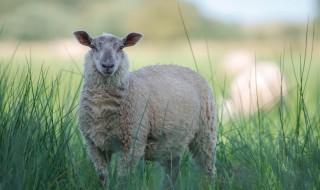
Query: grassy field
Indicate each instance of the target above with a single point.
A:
(41, 147)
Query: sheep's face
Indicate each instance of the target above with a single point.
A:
(107, 54)
(107, 50)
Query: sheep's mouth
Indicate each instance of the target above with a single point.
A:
(107, 73)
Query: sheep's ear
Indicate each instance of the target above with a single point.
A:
(83, 37)
(131, 39)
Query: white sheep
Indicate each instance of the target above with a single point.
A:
(258, 87)
(238, 60)
(155, 112)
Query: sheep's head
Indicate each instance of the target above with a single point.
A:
(107, 50)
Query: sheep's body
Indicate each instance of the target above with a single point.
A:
(155, 113)
(180, 105)
(257, 87)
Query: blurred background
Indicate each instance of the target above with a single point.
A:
(158, 20)
(229, 23)
(227, 36)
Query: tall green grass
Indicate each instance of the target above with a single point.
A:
(37, 131)
(41, 147)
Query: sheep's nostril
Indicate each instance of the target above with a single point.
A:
(110, 66)
(107, 66)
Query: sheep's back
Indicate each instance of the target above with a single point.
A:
(170, 76)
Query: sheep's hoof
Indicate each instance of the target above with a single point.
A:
(102, 177)
(103, 180)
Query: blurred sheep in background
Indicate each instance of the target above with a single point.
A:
(236, 61)
(255, 86)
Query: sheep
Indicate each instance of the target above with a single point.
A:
(237, 60)
(153, 113)
(259, 86)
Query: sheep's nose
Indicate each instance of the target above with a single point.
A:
(107, 66)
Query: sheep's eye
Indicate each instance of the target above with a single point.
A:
(92, 46)
(120, 48)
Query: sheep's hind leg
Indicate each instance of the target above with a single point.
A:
(202, 149)
(171, 169)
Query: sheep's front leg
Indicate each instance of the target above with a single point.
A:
(99, 160)
(126, 162)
